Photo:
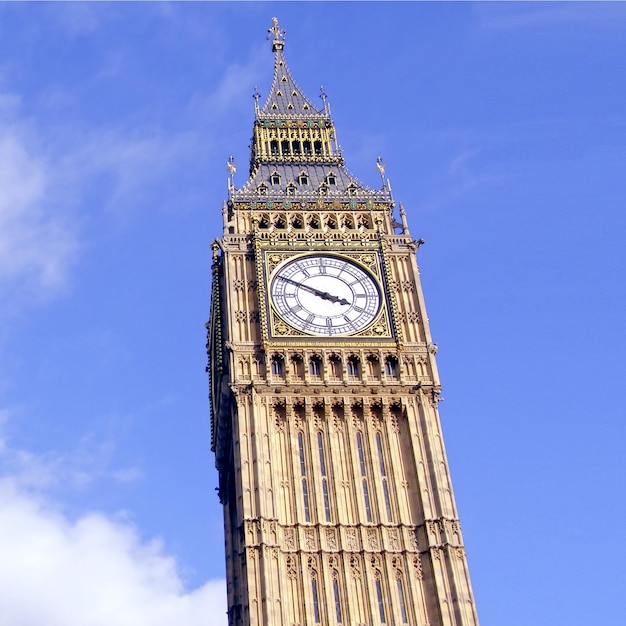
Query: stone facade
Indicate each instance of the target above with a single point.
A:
(338, 505)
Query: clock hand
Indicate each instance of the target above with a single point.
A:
(316, 292)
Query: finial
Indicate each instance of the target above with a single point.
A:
(324, 98)
(256, 95)
(232, 168)
(278, 35)
(381, 169)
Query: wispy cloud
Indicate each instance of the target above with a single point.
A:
(37, 245)
(510, 15)
(91, 461)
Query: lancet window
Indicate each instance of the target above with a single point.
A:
(366, 492)
(320, 447)
(303, 475)
(383, 476)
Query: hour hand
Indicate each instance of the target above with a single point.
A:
(317, 292)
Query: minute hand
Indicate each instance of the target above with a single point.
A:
(317, 292)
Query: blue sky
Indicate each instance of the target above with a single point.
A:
(503, 128)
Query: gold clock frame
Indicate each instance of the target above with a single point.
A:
(276, 331)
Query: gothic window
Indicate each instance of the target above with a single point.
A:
(264, 222)
(373, 366)
(383, 475)
(330, 222)
(331, 179)
(314, 222)
(381, 604)
(306, 147)
(337, 599)
(284, 147)
(364, 222)
(347, 222)
(391, 367)
(290, 106)
(274, 147)
(295, 147)
(335, 366)
(297, 222)
(297, 368)
(277, 365)
(262, 189)
(305, 486)
(352, 188)
(279, 93)
(323, 189)
(320, 446)
(275, 178)
(403, 613)
(316, 603)
(352, 367)
(291, 189)
(303, 179)
(280, 221)
(294, 93)
(317, 148)
(305, 107)
(315, 366)
(366, 493)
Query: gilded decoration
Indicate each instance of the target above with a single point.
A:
(271, 260)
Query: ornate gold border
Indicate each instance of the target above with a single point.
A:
(275, 331)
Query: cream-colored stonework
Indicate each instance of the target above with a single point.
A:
(338, 504)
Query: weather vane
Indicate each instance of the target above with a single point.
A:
(277, 33)
(232, 168)
(381, 169)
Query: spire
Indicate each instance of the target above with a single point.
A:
(285, 97)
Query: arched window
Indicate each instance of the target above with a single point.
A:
(335, 366)
(297, 369)
(315, 366)
(277, 365)
(391, 367)
(373, 366)
(352, 367)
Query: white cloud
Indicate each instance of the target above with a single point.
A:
(36, 245)
(93, 571)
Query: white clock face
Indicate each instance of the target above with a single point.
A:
(325, 295)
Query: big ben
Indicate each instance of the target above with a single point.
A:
(338, 504)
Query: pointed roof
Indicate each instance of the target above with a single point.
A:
(306, 166)
(285, 96)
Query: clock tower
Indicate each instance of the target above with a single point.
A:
(338, 505)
